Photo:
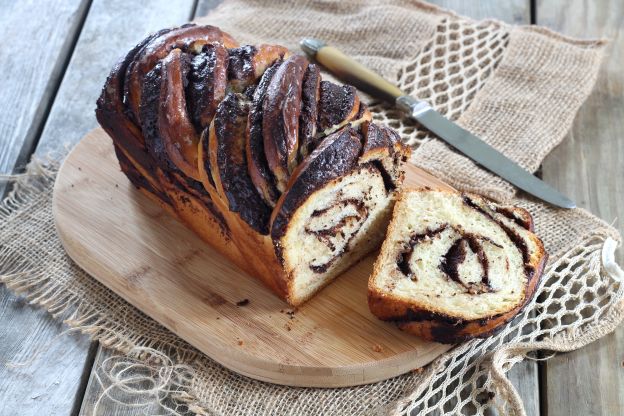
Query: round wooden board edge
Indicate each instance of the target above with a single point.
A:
(246, 364)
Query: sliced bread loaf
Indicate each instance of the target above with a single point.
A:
(455, 266)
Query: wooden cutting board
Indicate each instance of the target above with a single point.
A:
(151, 260)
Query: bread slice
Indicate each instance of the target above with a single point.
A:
(280, 120)
(257, 164)
(176, 129)
(207, 83)
(188, 36)
(455, 266)
(338, 105)
(248, 63)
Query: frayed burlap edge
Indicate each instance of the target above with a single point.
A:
(38, 287)
(173, 367)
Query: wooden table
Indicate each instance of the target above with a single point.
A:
(55, 57)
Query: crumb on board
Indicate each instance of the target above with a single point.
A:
(243, 302)
(240, 342)
(218, 317)
(288, 328)
(418, 370)
(291, 313)
(377, 348)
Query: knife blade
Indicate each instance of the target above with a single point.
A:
(459, 138)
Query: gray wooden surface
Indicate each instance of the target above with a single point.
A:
(589, 166)
(33, 59)
(47, 103)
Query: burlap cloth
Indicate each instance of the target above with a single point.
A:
(518, 88)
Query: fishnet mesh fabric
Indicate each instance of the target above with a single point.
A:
(447, 73)
(470, 71)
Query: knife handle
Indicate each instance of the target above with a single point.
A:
(352, 72)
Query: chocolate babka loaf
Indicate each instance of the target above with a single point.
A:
(281, 171)
(455, 266)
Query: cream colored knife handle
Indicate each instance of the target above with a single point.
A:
(351, 71)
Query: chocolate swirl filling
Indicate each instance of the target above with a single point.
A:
(512, 234)
(404, 257)
(457, 254)
(337, 236)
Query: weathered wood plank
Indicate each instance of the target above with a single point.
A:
(37, 40)
(37, 369)
(114, 402)
(588, 166)
(111, 28)
(512, 11)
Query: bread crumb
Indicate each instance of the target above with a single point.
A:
(377, 348)
(218, 317)
(240, 342)
(243, 302)
(287, 327)
(418, 370)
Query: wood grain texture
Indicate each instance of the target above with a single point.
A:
(523, 375)
(55, 383)
(30, 77)
(128, 243)
(589, 166)
(115, 402)
(40, 368)
(31, 73)
(510, 11)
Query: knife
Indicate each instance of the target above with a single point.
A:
(470, 145)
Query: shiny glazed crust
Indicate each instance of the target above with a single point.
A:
(226, 138)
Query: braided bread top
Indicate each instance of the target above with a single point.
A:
(242, 124)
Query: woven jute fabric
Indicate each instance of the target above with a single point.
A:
(518, 88)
